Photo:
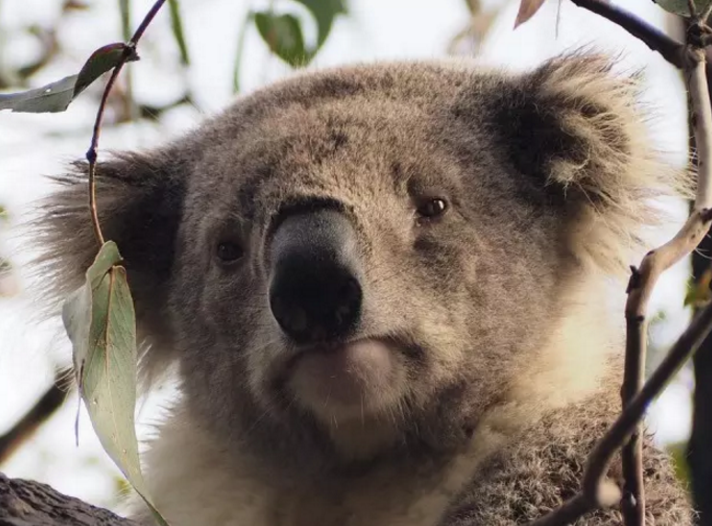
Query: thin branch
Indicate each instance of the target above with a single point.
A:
(129, 53)
(626, 430)
(601, 456)
(702, 119)
(643, 281)
(669, 48)
(633, 501)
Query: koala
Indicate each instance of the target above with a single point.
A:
(388, 291)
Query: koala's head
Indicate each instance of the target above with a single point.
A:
(365, 258)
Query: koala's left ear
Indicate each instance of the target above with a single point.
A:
(139, 201)
(577, 131)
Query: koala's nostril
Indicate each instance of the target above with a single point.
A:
(315, 304)
(315, 294)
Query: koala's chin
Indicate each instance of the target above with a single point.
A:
(356, 380)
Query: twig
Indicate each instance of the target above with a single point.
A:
(643, 280)
(598, 461)
(671, 50)
(91, 155)
(636, 396)
(698, 87)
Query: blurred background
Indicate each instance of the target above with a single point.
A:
(195, 58)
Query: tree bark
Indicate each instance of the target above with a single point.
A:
(29, 503)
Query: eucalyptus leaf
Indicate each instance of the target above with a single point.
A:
(681, 7)
(100, 320)
(283, 34)
(178, 32)
(324, 12)
(56, 96)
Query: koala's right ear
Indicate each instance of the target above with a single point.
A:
(139, 201)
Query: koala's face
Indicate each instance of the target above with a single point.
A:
(377, 248)
(349, 257)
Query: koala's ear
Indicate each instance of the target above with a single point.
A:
(139, 201)
(578, 131)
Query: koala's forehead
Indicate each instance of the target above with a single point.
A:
(359, 131)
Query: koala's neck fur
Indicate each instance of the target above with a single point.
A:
(236, 485)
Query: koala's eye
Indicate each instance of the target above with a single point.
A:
(229, 251)
(432, 208)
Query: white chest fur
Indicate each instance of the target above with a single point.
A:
(193, 484)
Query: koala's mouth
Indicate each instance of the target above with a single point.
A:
(349, 379)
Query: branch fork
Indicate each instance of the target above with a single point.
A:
(626, 431)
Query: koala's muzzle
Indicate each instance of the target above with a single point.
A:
(314, 290)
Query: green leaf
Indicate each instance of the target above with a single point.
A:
(681, 7)
(240, 51)
(100, 320)
(125, 12)
(283, 35)
(324, 12)
(56, 96)
(178, 33)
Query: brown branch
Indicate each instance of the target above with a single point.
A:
(129, 53)
(669, 48)
(45, 407)
(636, 396)
(698, 87)
(640, 288)
(684, 348)
(643, 281)
(29, 503)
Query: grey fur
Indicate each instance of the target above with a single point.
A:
(500, 311)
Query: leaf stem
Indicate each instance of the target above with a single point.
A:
(129, 53)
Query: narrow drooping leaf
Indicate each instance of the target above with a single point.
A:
(240, 51)
(324, 12)
(100, 320)
(283, 35)
(527, 9)
(178, 33)
(125, 12)
(681, 7)
(56, 96)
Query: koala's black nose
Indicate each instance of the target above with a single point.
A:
(314, 292)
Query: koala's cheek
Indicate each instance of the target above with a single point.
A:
(355, 381)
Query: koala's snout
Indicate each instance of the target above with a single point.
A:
(315, 293)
